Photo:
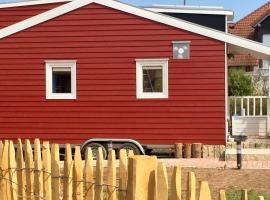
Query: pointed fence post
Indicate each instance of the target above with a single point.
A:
(123, 173)
(13, 172)
(205, 193)
(68, 173)
(176, 184)
(4, 180)
(77, 175)
(29, 165)
(260, 198)
(111, 191)
(191, 186)
(162, 181)
(1, 149)
(89, 182)
(99, 175)
(142, 178)
(38, 174)
(21, 171)
(222, 195)
(46, 158)
(55, 172)
(244, 195)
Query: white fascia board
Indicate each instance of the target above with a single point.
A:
(30, 3)
(249, 45)
(192, 11)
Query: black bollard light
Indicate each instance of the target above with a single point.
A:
(239, 154)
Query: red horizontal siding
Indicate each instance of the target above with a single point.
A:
(12, 15)
(105, 42)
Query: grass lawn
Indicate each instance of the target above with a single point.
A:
(252, 195)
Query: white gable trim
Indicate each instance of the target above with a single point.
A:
(242, 44)
(30, 3)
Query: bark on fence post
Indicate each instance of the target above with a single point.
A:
(196, 150)
(187, 151)
(178, 150)
(142, 180)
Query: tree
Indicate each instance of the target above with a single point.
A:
(239, 83)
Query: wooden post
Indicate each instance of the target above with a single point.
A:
(1, 149)
(130, 153)
(222, 195)
(21, 171)
(196, 150)
(55, 172)
(205, 193)
(99, 175)
(191, 186)
(178, 150)
(162, 181)
(78, 175)
(176, 186)
(4, 180)
(244, 194)
(38, 174)
(260, 198)
(13, 172)
(68, 173)
(111, 191)
(89, 183)
(187, 150)
(142, 180)
(46, 158)
(123, 164)
(29, 165)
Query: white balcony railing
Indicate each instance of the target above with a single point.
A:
(248, 105)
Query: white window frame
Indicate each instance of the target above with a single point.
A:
(50, 64)
(140, 64)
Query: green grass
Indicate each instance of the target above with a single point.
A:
(252, 195)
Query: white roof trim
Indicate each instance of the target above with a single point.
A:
(208, 11)
(30, 3)
(193, 11)
(251, 47)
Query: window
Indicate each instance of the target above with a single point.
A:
(265, 41)
(152, 78)
(60, 79)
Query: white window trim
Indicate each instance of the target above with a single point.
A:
(50, 64)
(140, 63)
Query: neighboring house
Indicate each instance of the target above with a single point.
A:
(255, 26)
(71, 71)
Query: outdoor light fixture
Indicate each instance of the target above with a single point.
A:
(181, 49)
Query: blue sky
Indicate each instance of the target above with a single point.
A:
(240, 7)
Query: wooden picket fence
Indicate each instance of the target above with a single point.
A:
(40, 175)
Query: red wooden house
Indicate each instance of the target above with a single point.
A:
(75, 70)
